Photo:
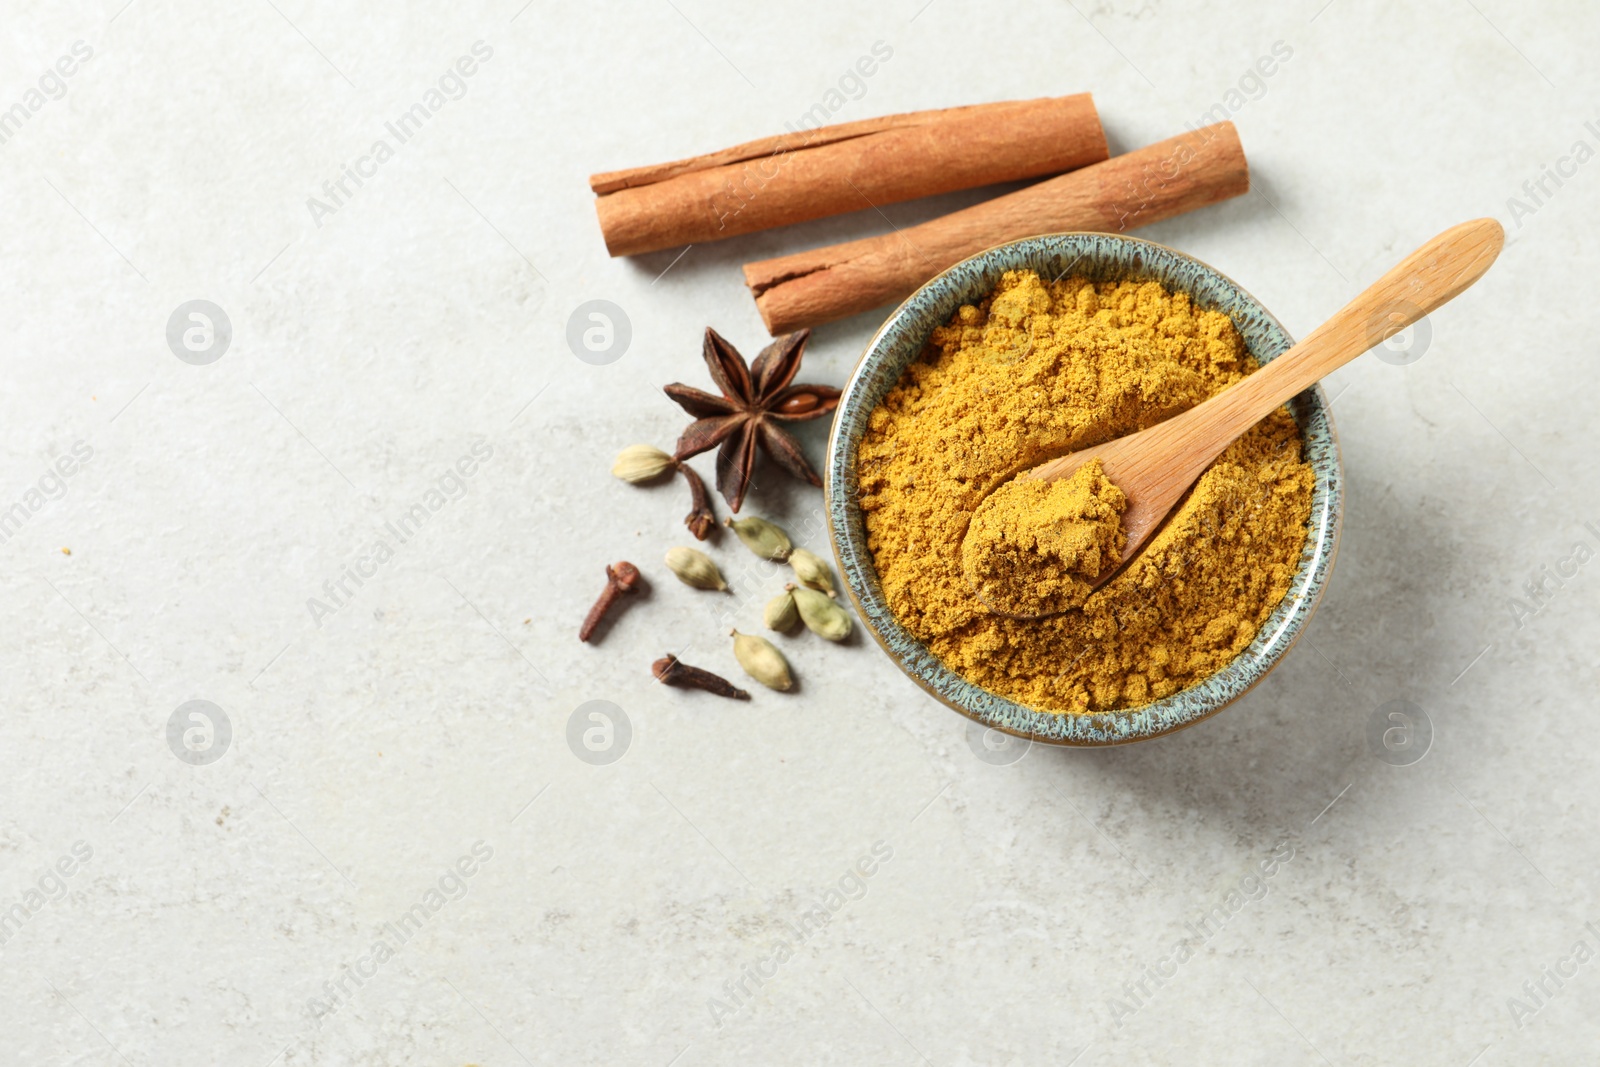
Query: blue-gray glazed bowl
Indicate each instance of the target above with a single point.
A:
(1101, 257)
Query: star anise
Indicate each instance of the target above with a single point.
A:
(755, 400)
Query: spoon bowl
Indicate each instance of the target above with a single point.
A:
(1102, 258)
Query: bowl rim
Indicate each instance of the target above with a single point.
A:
(915, 318)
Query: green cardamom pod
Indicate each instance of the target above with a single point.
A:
(812, 571)
(765, 539)
(822, 615)
(695, 568)
(780, 613)
(761, 660)
(640, 463)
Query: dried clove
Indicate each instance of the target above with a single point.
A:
(641, 464)
(670, 670)
(701, 519)
(621, 578)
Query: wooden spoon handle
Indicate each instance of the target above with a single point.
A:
(1424, 281)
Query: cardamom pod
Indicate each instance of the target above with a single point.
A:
(761, 660)
(765, 539)
(695, 568)
(640, 463)
(812, 571)
(780, 613)
(822, 616)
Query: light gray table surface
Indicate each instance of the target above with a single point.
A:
(1097, 907)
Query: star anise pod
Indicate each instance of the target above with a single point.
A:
(755, 401)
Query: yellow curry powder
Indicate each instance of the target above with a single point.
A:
(1036, 547)
(1036, 371)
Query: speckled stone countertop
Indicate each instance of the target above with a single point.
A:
(297, 741)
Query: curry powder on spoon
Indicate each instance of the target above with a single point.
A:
(1038, 370)
(1036, 548)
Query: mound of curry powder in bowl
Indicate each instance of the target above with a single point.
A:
(1039, 370)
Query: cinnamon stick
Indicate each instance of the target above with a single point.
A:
(832, 169)
(1141, 187)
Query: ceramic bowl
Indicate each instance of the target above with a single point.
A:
(1102, 257)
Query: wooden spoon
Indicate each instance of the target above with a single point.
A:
(1155, 467)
